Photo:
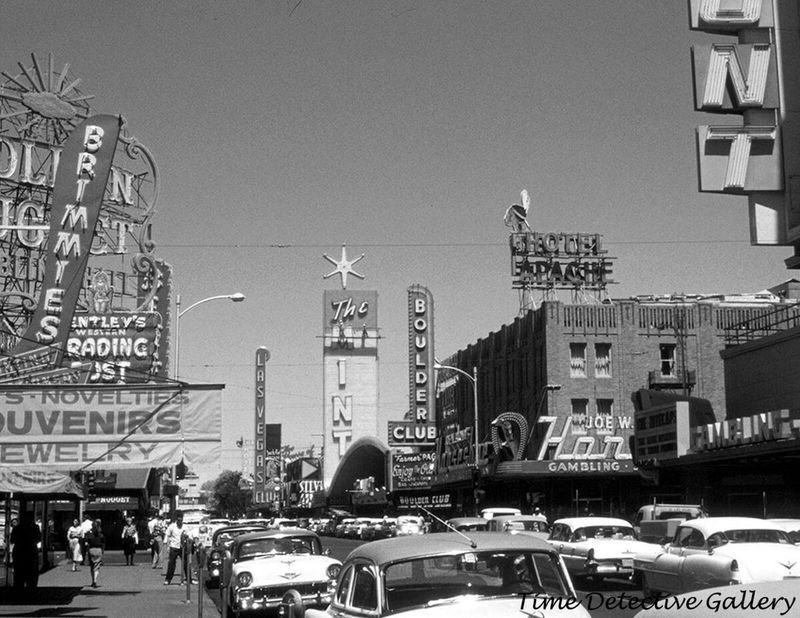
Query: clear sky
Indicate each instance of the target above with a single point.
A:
(403, 129)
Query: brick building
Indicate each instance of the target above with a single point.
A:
(558, 389)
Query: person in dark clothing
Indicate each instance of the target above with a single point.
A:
(95, 546)
(25, 538)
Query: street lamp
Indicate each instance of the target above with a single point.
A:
(236, 298)
(474, 379)
(547, 388)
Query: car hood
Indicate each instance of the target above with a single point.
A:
(284, 569)
(500, 607)
(763, 561)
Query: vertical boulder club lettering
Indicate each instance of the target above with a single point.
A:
(77, 196)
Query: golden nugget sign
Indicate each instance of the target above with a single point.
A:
(558, 260)
(67, 427)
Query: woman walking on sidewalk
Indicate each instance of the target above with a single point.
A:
(95, 545)
(130, 539)
(74, 537)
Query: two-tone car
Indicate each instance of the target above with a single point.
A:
(266, 565)
(221, 541)
(469, 575)
(719, 551)
(597, 547)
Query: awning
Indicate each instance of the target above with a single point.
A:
(39, 483)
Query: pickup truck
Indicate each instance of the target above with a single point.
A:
(657, 522)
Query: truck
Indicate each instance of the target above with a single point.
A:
(657, 522)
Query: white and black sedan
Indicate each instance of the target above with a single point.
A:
(266, 565)
(468, 575)
(597, 547)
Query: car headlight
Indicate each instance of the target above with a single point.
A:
(333, 571)
(244, 579)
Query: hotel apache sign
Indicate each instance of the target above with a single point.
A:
(559, 261)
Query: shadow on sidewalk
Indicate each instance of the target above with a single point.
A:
(43, 595)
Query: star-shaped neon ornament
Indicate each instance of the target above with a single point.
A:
(343, 267)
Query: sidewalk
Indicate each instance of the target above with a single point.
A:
(124, 591)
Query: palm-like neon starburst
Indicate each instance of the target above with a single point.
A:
(343, 267)
(41, 103)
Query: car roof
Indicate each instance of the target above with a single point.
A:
(503, 518)
(405, 547)
(236, 527)
(278, 534)
(466, 520)
(710, 525)
(582, 522)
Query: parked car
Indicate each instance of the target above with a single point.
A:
(342, 527)
(494, 511)
(466, 524)
(489, 574)
(535, 525)
(279, 523)
(717, 551)
(384, 528)
(221, 541)
(266, 565)
(409, 524)
(597, 547)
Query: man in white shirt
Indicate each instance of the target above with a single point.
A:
(86, 526)
(175, 538)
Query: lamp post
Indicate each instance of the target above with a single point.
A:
(236, 298)
(474, 379)
(547, 388)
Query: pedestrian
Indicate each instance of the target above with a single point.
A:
(130, 539)
(74, 538)
(157, 527)
(25, 538)
(95, 546)
(86, 527)
(175, 540)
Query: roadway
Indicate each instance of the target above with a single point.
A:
(607, 599)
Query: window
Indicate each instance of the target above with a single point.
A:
(344, 587)
(602, 360)
(605, 406)
(577, 360)
(580, 408)
(667, 360)
(365, 595)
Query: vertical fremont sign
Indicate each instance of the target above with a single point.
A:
(748, 73)
(260, 479)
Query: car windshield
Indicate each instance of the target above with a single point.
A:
(440, 579)
(530, 525)
(603, 532)
(755, 536)
(275, 547)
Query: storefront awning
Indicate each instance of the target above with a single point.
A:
(39, 483)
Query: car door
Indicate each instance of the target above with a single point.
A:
(665, 573)
(697, 569)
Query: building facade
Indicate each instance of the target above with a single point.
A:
(557, 399)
